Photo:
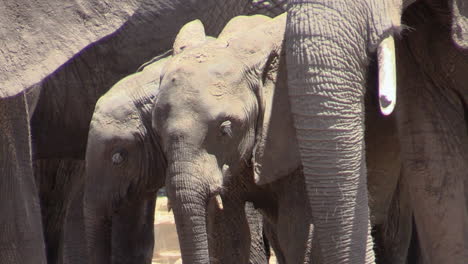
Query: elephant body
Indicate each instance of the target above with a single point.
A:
(330, 48)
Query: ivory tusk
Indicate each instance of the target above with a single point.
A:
(219, 201)
(387, 75)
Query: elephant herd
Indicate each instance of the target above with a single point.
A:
(327, 131)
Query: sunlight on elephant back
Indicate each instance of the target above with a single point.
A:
(166, 245)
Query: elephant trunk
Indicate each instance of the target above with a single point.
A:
(189, 204)
(327, 105)
(98, 227)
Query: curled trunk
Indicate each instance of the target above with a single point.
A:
(327, 104)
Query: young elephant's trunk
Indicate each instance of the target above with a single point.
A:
(98, 227)
(189, 203)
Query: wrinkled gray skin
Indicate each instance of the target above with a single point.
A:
(214, 116)
(22, 239)
(433, 127)
(72, 54)
(125, 167)
(328, 59)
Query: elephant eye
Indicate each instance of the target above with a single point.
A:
(119, 157)
(226, 129)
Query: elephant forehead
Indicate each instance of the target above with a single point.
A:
(116, 111)
(217, 78)
(106, 136)
(219, 61)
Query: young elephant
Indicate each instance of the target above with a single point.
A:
(225, 125)
(125, 168)
(121, 182)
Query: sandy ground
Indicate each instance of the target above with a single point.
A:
(166, 249)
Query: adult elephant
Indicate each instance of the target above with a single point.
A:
(125, 167)
(72, 53)
(329, 45)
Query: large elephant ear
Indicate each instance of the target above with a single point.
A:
(275, 153)
(190, 35)
(460, 23)
(40, 36)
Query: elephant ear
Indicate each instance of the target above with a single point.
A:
(238, 25)
(190, 35)
(275, 153)
(460, 23)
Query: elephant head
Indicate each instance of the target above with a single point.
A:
(213, 116)
(124, 169)
(329, 46)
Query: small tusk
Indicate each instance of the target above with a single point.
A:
(219, 202)
(387, 75)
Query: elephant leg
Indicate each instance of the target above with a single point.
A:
(294, 228)
(133, 232)
(74, 245)
(434, 143)
(259, 248)
(393, 236)
(271, 233)
(21, 236)
(228, 232)
(58, 181)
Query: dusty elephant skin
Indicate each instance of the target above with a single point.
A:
(224, 122)
(21, 237)
(82, 48)
(432, 122)
(125, 167)
(329, 45)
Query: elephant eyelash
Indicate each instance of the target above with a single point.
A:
(226, 128)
